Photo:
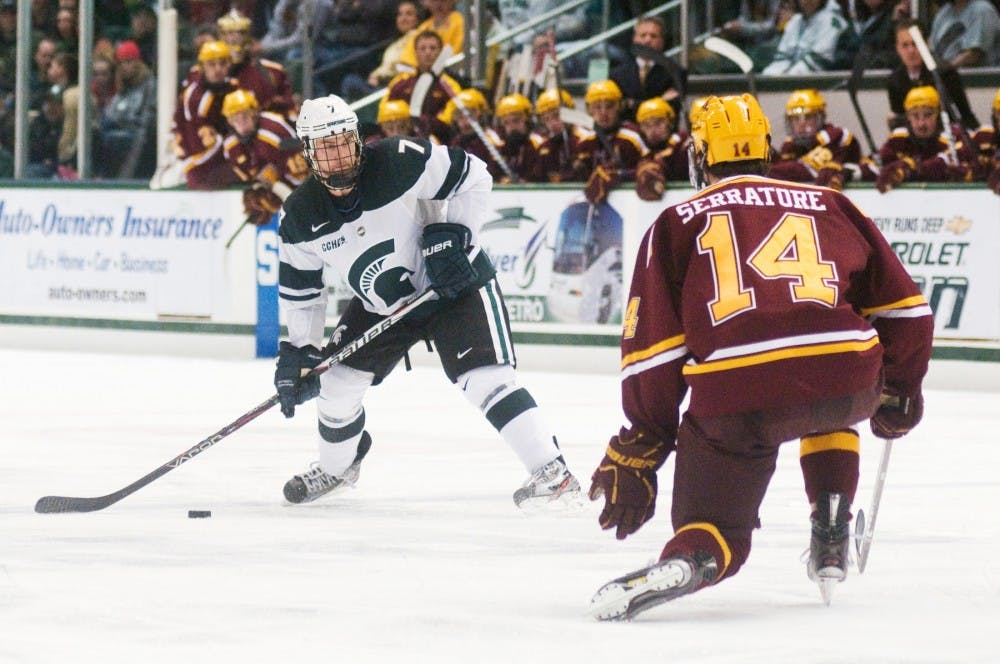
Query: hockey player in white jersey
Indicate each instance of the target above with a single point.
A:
(393, 219)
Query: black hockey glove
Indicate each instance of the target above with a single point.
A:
(626, 478)
(444, 246)
(897, 414)
(294, 387)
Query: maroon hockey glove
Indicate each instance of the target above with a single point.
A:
(649, 181)
(891, 175)
(832, 178)
(260, 204)
(897, 415)
(626, 477)
(600, 184)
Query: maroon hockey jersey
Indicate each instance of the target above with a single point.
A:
(833, 153)
(757, 293)
(271, 155)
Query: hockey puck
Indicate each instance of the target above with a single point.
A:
(199, 514)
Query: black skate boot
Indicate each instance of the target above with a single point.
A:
(828, 548)
(629, 595)
(314, 483)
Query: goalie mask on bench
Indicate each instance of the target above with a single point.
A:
(328, 129)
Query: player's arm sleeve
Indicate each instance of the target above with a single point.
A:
(895, 307)
(462, 179)
(302, 294)
(653, 347)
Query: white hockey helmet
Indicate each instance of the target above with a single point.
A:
(335, 163)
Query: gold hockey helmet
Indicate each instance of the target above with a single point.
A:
(396, 109)
(805, 102)
(654, 108)
(602, 91)
(515, 103)
(552, 99)
(214, 50)
(233, 21)
(239, 100)
(731, 129)
(924, 95)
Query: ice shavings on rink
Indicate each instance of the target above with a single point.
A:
(428, 560)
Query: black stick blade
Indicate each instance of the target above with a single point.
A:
(57, 504)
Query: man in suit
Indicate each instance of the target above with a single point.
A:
(641, 78)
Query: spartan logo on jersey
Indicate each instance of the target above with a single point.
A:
(369, 275)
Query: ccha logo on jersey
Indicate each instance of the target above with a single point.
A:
(370, 276)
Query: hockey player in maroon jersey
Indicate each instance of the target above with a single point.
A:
(612, 154)
(264, 152)
(265, 78)
(815, 150)
(786, 314)
(558, 152)
(922, 151)
(198, 125)
(428, 47)
(987, 141)
(520, 141)
(668, 158)
(464, 134)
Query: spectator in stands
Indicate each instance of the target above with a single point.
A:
(103, 85)
(265, 78)
(815, 150)
(642, 78)
(612, 154)
(757, 31)
(198, 122)
(285, 29)
(978, 44)
(428, 46)
(874, 39)
(407, 19)
(8, 45)
(63, 73)
(264, 152)
(668, 156)
(127, 145)
(558, 153)
(913, 73)
(67, 31)
(350, 38)
(923, 150)
(39, 83)
(519, 149)
(809, 41)
(44, 131)
(43, 17)
(143, 32)
(445, 21)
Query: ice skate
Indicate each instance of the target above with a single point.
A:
(629, 595)
(314, 483)
(830, 543)
(552, 483)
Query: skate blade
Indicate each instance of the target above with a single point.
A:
(625, 597)
(826, 588)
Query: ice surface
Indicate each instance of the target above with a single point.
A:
(428, 560)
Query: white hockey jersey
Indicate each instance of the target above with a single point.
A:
(404, 184)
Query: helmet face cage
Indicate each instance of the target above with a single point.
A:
(331, 144)
(805, 104)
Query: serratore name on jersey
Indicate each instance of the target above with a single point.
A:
(802, 199)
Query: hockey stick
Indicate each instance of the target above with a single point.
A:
(853, 83)
(863, 532)
(478, 128)
(732, 52)
(50, 504)
(424, 83)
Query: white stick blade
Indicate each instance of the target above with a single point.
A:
(731, 51)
